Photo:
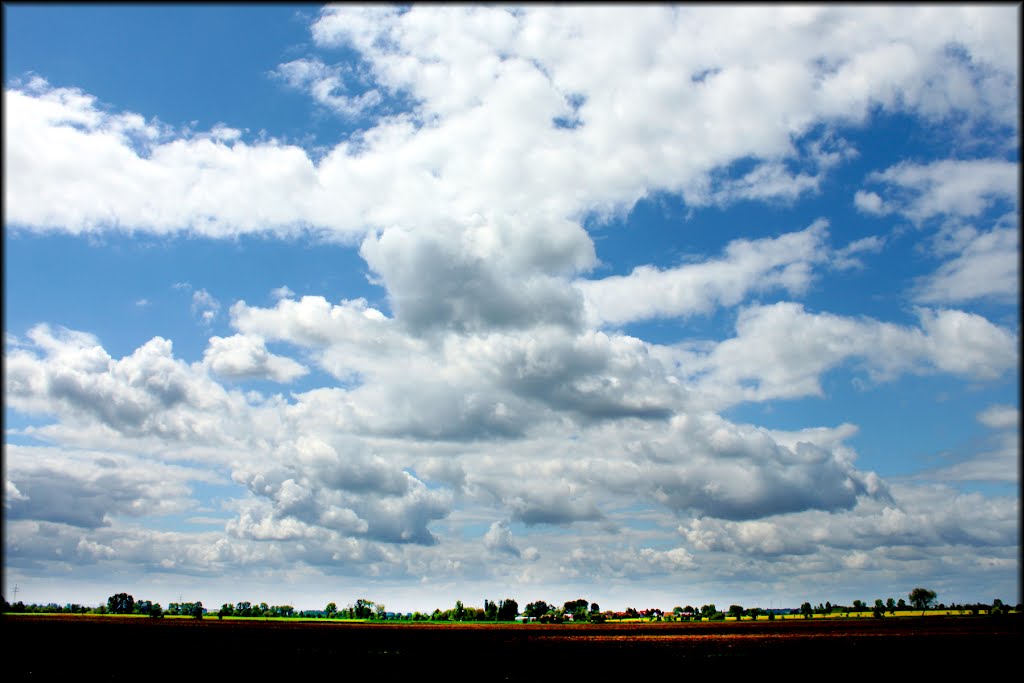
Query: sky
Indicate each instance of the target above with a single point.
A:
(652, 305)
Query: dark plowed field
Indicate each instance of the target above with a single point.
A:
(109, 648)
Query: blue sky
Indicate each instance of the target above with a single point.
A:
(655, 306)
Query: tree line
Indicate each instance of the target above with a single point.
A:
(580, 610)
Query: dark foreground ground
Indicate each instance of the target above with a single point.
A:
(53, 647)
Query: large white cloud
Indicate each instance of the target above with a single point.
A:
(782, 351)
(748, 266)
(472, 147)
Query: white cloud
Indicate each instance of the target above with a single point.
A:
(987, 266)
(246, 356)
(327, 85)
(870, 202)
(942, 188)
(88, 489)
(781, 351)
(927, 518)
(999, 460)
(747, 266)
(465, 148)
(282, 292)
(498, 539)
(1000, 417)
(204, 306)
(845, 258)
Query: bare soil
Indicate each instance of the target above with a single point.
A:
(52, 647)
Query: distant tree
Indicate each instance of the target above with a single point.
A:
(902, 604)
(141, 607)
(753, 613)
(735, 611)
(806, 610)
(594, 608)
(120, 603)
(363, 608)
(508, 610)
(858, 605)
(890, 605)
(708, 610)
(537, 609)
(572, 605)
(192, 609)
(330, 610)
(921, 598)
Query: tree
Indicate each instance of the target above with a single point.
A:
(508, 610)
(890, 605)
(331, 609)
(120, 603)
(806, 610)
(363, 608)
(921, 598)
(735, 611)
(537, 609)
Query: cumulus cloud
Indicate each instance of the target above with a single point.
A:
(456, 154)
(498, 539)
(747, 266)
(89, 489)
(781, 351)
(68, 374)
(244, 356)
(916, 517)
